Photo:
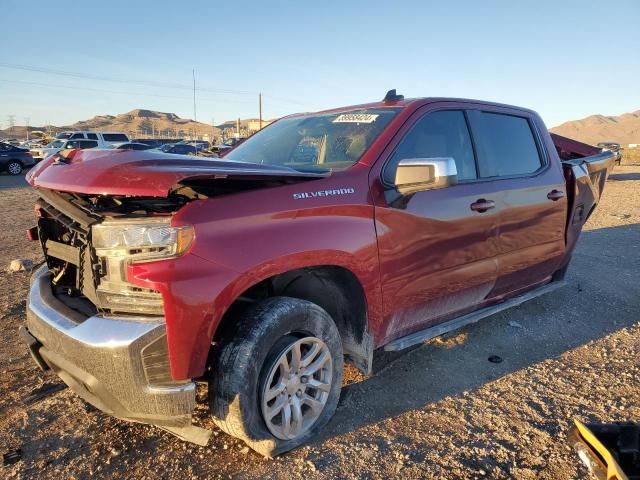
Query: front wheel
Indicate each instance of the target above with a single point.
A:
(14, 167)
(276, 380)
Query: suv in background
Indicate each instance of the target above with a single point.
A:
(104, 139)
(57, 145)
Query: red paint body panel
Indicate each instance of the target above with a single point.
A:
(420, 264)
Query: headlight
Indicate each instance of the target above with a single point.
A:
(142, 240)
(118, 243)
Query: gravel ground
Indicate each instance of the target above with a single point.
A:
(438, 411)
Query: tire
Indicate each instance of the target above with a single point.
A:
(246, 372)
(14, 167)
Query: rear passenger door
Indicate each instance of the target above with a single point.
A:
(529, 195)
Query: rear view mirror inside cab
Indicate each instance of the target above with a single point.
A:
(420, 174)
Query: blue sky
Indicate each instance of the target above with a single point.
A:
(564, 59)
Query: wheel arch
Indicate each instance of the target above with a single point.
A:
(335, 288)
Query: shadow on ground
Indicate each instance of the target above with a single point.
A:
(13, 181)
(624, 176)
(602, 296)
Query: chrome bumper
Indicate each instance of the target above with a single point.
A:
(101, 359)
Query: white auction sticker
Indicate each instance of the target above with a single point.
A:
(356, 118)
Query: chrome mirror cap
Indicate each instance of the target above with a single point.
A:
(420, 174)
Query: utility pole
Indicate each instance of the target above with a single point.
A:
(26, 122)
(194, 94)
(12, 123)
(260, 109)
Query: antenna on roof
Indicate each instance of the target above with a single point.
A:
(392, 96)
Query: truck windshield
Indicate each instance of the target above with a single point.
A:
(317, 142)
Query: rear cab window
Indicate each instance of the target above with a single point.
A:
(506, 144)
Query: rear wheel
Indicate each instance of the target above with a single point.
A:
(14, 167)
(276, 380)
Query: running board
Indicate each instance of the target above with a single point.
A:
(455, 323)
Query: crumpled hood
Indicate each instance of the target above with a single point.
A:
(141, 173)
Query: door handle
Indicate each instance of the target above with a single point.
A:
(482, 205)
(555, 195)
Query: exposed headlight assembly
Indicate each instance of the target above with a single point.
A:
(151, 239)
(120, 242)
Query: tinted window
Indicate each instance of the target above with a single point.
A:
(72, 144)
(77, 135)
(115, 137)
(88, 144)
(92, 136)
(5, 146)
(506, 145)
(437, 134)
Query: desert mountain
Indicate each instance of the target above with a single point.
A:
(145, 122)
(138, 123)
(623, 129)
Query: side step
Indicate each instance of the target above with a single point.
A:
(455, 323)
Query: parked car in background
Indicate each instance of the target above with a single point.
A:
(14, 159)
(131, 146)
(261, 273)
(614, 147)
(57, 145)
(182, 148)
(12, 141)
(28, 144)
(200, 144)
(227, 145)
(104, 139)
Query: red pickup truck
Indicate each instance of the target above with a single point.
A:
(320, 239)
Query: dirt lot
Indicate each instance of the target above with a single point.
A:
(439, 411)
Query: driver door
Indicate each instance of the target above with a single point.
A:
(437, 253)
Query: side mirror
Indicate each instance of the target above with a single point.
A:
(420, 174)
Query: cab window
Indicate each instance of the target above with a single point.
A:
(506, 144)
(438, 134)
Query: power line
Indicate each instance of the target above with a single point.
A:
(41, 84)
(146, 83)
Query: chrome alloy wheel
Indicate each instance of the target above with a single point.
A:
(297, 388)
(14, 168)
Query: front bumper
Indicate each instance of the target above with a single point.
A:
(108, 361)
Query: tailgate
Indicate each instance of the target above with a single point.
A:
(585, 179)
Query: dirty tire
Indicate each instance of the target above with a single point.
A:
(241, 361)
(14, 167)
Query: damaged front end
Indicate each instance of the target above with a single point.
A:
(104, 335)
